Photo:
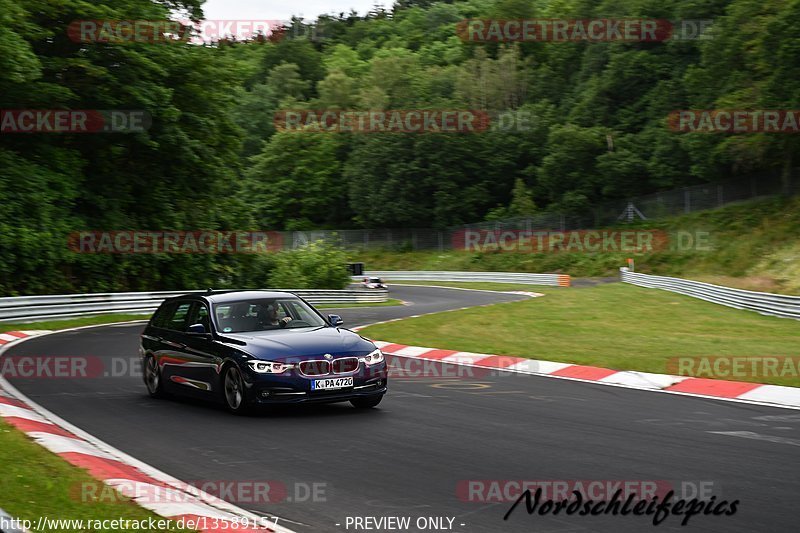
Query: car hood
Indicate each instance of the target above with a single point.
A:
(279, 345)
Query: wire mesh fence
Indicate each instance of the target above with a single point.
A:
(648, 207)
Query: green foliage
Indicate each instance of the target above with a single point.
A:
(176, 175)
(522, 204)
(589, 125)
(295, 181)
(598, 128)
(317, 265)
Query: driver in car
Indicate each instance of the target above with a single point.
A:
(269, 316)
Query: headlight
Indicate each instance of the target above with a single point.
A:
(373, 358)
(268, 367)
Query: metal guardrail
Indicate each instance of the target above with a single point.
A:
(761, 302)
(562, 280)
(33, 308)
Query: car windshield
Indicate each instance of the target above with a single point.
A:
(265, 314)
(375, 280)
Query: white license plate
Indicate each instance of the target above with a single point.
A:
(331, 383)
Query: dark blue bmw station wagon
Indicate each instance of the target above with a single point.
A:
(249, 348)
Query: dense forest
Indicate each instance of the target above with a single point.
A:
(595, 114)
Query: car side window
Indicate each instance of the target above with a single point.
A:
(283, 312)
(224, 317)
(177, 321)
(162, 315)
(202, 317)
(300, 313)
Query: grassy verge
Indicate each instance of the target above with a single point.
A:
(36, 483)
(615, 326)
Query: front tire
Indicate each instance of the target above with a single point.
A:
(366, 403)
(233, 390)
(152, 378)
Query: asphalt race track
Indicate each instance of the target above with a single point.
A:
(413, 455)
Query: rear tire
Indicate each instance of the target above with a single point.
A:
(152, 378)
(233, 391)
(366, 403)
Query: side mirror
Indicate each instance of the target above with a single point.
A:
(335, 320)
(197, 329)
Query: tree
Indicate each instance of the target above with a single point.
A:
(285, 82)
(338, 91)
(568, 175)
(295, 182)
(522, 204)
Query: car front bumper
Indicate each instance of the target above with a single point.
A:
(267, 389)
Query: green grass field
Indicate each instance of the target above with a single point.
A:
(616, 325)
(36, 483)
